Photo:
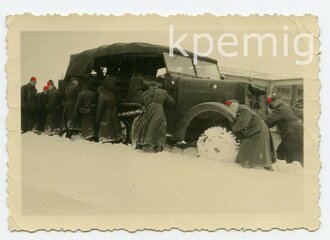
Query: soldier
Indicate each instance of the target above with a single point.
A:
(42, 113)
(86, 109)
(29, 105)
(255, 146)
(149, 129)
(71, 93)
(94, 80)
(135, 86)
(290, 129)
(52, 107)
(50, 82)
(107, 117)
(109, 83)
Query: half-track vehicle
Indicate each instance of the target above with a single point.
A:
(199, 90)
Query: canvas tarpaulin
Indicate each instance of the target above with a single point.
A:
(81, 64)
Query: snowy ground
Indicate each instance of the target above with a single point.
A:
(61, 176)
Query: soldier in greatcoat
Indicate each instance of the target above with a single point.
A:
(107, 117)
(290, 129)
(29, 105)
(255, 148)
(71, 94)
(149, 130)
(53, 111)
(85, 108)
(42, 112)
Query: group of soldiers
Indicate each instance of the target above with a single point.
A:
(84, 110)
(38, 109)
(93, 113)
(256, 146)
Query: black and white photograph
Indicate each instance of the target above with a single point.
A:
(194, 122)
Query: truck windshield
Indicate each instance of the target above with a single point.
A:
(207, 70)
(184, 65)
(179, 64)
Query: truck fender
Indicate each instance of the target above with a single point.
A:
(191, 113)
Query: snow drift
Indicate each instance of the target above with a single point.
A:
(63, 176)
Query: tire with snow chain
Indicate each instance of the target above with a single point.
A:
(218, 144)
(126, 129)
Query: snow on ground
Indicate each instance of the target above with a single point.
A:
(63, 176)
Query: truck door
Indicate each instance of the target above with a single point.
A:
(257, 99)
(189, 89)
(192, 91)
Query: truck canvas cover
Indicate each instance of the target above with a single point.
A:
(81, 64)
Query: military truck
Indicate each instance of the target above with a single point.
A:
(198, 89)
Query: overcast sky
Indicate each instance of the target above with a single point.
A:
(46, 54)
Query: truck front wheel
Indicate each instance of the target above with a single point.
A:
(126, 129)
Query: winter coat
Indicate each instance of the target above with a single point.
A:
(135, 86)
(42, 112)
(255, 146)
(107, 118)
(71, 93)
(29, 99)
(29, 107)
(110, 83)
(150, 127)
(86, 99)
(291, 131)
(53, 114)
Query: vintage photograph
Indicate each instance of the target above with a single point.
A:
(146, 122)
